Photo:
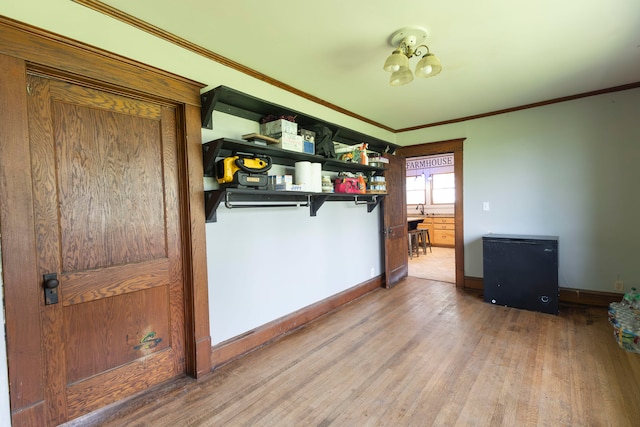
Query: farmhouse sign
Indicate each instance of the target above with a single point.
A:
(439, 161)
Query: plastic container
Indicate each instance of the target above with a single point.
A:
(626, 326)
(629, 298)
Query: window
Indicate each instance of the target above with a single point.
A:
(416, 185)
(443, 188)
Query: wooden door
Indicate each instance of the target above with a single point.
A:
(395, 223)
(106, 214)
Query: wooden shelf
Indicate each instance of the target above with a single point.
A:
(224, 147)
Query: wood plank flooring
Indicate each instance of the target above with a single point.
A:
(420, 354)
(438, 264)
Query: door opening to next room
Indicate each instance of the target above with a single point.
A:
(430, 186)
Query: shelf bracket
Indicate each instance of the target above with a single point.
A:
(208, 101)
(316, 203)
(212, 200)
(209, 154)
(371, 204)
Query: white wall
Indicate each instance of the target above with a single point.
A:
(567, 169)
(265, 263)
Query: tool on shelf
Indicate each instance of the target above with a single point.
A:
(244, 170)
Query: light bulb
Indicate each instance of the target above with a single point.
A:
(428, 66)
(396, 61)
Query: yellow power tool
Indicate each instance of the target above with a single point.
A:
(244, 171)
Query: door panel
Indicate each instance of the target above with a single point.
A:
(106, 218)
(92, 328)
(395, 223)
(101, 390)
(85, 286)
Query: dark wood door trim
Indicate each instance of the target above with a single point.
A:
(449, 146)
(38, 46)
(18, 254)
(196, 293)
(24, 48)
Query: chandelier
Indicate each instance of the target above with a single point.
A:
(408, 43)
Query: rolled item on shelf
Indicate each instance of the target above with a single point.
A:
(316, 177)
(303, 174)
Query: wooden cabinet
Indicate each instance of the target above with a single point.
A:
(444, 233)
(441, 230)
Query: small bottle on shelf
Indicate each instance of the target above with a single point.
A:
(327, 185)
(364, 158)
(362, 186)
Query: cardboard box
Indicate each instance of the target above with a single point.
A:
(309, 141)
(283, 187)
(289, 187)
(309, 147)
(277, 128)
(291, 143)
(281, 182)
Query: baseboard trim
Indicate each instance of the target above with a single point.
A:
(232, 349)
(587, 297)
(566, 295)
(473, 283)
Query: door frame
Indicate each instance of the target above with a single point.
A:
(23, 49)
(443, 147)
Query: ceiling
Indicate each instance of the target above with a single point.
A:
(496, 54)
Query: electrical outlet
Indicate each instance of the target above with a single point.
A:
(618, 285)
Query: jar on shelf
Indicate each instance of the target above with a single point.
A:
(327, 186)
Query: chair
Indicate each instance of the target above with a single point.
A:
(413, 238)
(423, 238)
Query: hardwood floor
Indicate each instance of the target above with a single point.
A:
(437, 264)
(419, 354)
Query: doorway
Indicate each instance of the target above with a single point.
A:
(438, 148)
(430, 187)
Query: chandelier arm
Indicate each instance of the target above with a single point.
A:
(405, 49)
(417, 52)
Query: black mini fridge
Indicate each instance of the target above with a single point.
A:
(521, 271)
